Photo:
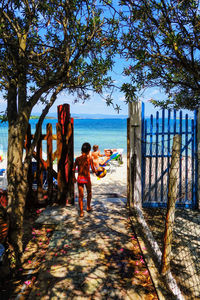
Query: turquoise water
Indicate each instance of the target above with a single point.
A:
(107, 133)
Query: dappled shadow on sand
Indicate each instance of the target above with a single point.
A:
(185, 260)
(94, 257)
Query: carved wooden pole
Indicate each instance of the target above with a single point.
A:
(65, 160)
(172, 195)
(30, 173)
(49, 161)
(39, 173)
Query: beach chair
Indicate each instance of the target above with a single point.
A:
(3, 179)
(115, 160)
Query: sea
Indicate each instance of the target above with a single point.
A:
(107, 133)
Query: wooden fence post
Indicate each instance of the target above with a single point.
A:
(172, 195)
(30, 174)
(135, 115)
(65, 163)
(59, 162)
(49, 161)
(39, 172)
(70, 187)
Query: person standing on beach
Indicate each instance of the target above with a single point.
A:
(84, 162)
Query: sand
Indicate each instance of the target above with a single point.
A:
(115, 181)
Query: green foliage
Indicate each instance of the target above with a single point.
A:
(51, 43)
(162, 42)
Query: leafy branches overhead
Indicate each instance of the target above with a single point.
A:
(46, 43)
(163, 45)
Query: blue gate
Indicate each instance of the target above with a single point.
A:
(157, 139)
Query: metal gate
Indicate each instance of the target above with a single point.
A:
(157, 139)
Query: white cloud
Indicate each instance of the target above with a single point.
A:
(122, 98)
(155, 92)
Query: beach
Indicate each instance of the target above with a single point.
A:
(115, 181)
(113, 184)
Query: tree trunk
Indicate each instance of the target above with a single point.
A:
(17, 187)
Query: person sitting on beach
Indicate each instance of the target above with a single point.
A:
(108, 153)
(84, 162)
(95, 156)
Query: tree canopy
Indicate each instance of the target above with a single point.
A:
(162, 43)
(48, 46)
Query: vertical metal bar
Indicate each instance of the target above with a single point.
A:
(150, 160)
(145, 153)
(193, 159)
(162, 152)
(128, 162)
(186, 157)
(168, 144)
(156, 171)
(143, 150)
(180, 168)
(194, 200)
(174, 122)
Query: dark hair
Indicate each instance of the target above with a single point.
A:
(95, 147)
(86, 147)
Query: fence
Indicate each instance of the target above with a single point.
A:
(52, 158)
(157, 138)
(151, 152)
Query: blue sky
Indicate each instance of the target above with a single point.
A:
(97, 105)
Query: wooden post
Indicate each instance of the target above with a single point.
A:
(59, 162)
(128, 162)
(49, 161)
(70, 184)
(135, 114)
(65, 164)
(30, 174)
(172, 195)
(39, 173)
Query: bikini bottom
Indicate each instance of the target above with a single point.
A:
(83, 179)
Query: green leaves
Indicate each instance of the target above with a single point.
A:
(129, 91)
(70, 42)
(162, 43)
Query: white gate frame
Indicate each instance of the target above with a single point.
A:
(135, 115)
